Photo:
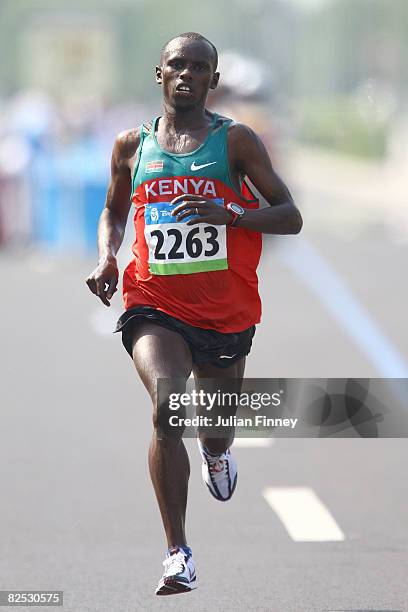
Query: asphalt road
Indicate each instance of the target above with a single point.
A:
(77, 510)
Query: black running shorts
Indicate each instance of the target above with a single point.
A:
(206, 345)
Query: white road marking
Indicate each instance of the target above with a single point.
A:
(253, 442)
(305, 261)
(304, 516)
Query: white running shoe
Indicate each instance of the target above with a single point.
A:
(219, 473)
(179, 572)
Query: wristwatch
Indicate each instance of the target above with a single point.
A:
(236, 211)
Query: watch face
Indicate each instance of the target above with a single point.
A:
(236, 208)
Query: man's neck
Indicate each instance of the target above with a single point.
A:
(176, 120)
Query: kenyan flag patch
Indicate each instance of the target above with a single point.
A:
(154, 166)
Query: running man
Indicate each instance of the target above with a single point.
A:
(190, 291)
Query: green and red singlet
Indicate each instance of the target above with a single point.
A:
(204, 275)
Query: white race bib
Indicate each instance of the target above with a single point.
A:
(178, 248)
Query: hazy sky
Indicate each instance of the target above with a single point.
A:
(310, 3)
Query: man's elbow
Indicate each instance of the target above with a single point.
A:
(297, 221)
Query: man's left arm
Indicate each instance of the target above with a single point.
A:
(248, 156)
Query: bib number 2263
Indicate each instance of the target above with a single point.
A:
(193, 244)
(185, 250)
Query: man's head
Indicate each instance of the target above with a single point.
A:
(187, 70)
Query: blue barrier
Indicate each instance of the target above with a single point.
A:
(68, 193)
(94, 200)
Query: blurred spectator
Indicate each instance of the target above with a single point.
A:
(245, 93)
(54, 166)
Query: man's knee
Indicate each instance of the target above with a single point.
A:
(167, 422)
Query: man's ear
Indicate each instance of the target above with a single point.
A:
(214, 80)
(159, 79)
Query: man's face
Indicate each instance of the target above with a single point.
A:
(187, 73)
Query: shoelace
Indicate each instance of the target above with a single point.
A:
(174, 564)
(217, 466)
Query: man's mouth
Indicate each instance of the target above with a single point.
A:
(183, 87)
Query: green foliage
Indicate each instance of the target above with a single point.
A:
(339, 124)
(322, 52)
(348, 41)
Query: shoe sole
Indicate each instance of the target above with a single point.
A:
(176, 588)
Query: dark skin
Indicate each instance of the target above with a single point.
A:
(158, 352)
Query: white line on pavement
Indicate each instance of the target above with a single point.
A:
(305, 261)
(253, 442)
(304, 516)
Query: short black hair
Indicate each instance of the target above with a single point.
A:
(193, 36)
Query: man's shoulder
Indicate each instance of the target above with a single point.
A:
(127, 142)
(236, 129)
(218, 117)
(240, 134)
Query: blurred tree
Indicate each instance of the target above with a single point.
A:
(257, 27)
(349, 41)
(327, 51)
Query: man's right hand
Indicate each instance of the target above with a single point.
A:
(104, 279)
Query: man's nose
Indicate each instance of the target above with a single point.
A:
(186, 72)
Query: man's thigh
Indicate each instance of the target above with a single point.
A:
(159, 353)
(209, 371)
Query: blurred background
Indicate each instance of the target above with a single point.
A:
(324, 83)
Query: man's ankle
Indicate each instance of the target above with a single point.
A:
(174, 549)
(211, 451)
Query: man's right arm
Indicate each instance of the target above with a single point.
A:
(112, 223)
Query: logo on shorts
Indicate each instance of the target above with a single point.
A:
(154, 166)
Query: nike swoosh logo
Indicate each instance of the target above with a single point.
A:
(228, 356)
(194, 167)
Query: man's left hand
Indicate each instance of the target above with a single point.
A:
(207, 210)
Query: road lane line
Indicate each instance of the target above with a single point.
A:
(304, 516)
(253, 442)
(307, 263)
